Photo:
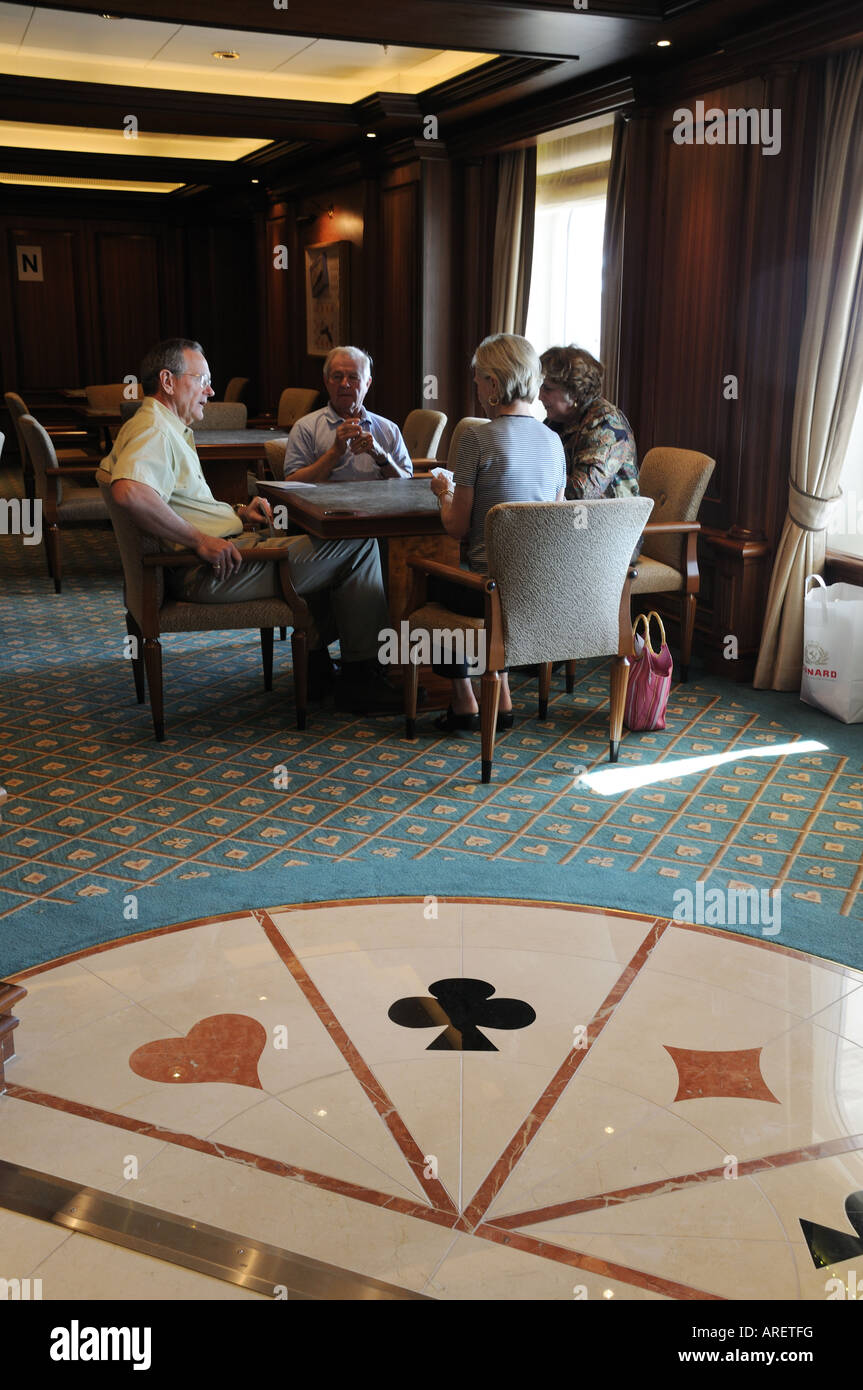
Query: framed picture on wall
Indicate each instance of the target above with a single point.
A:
(327, 296)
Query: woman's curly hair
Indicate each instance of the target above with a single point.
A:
(575, 372)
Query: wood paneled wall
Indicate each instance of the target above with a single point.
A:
(714, 287)
(113, 287)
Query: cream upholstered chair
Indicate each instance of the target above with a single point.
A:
(218, 415)
(294, 403)
(112, 396)
(64, 500)
(421, 433)
(676, 480)
(556, 589)
(150, 611)
(65, 455)
(236, 388)
(222, 415)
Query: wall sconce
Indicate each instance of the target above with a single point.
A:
(308, 217)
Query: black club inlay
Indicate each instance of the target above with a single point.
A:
(461, 1007)
(827, 1246)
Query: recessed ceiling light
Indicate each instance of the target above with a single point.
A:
(371, 135)
(225, 53)
(663, 43)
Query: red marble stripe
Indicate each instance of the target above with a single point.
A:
(433, 1187)
(654, 1283)
(827, 1148)
(561, 1079)
(264, 1164)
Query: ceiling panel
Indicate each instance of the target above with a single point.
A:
(66, 45)
(193, 47)
(13, 22)
(68, 32)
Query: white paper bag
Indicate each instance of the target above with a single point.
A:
(833, 649)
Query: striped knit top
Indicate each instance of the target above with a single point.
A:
(511, 459)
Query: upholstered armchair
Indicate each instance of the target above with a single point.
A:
(676, 480)
(294, 403)
(236, 388)
(69, 443)
(222, 415)
(421, 433)
(150, 611)
(112, 396)
(557, 589)
(62, 489)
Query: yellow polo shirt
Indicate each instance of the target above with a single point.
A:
(156, 448)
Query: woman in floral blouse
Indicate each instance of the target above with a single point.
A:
(597, 437)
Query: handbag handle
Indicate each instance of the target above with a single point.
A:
(645, 618)
(808, 580)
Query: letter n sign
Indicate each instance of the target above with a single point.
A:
(30, 266)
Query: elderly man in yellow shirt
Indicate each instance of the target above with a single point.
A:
(156, 475)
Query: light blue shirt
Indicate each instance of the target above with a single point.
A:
(314, 434)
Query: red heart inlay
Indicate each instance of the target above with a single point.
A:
(226, 1047)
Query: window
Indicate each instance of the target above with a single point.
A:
(566, 278)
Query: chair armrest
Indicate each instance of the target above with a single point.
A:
(72, 469)
(187, 559)
(669, 528)
(466, 578)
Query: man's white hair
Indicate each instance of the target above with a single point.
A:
(358, 355)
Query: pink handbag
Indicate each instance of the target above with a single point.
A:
(649, 678)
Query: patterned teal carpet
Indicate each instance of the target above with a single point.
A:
(105, 833)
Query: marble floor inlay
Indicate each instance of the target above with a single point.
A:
(502, 1101)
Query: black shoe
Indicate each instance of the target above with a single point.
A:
(504, 720)
(322, 674)
(451, 723)
(362, 689)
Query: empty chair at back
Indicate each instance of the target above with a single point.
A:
(222, 415)
(112, 396)
(421, 432)
(294, 403)
(236, 389)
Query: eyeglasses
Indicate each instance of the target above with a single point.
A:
(204, 381)
(353, 378)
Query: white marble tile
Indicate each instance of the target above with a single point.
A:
(86, 1268)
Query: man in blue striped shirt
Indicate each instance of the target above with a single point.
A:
(344, 442)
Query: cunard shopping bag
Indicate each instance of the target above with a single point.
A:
(833, 649)
(649, 678)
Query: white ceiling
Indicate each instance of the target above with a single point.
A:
(64, 45)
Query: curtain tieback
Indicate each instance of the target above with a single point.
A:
(806, 510)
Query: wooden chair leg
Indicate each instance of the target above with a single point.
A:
(687, 627)
(411, 688)
(544, 688)
(489, 700)
(137, 658)
(570, 677)
(153, 667)
(300, 654)
(56, 548)
(267, 656)
(619, 682)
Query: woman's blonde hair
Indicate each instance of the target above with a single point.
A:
(512, 364)
(575, 372)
